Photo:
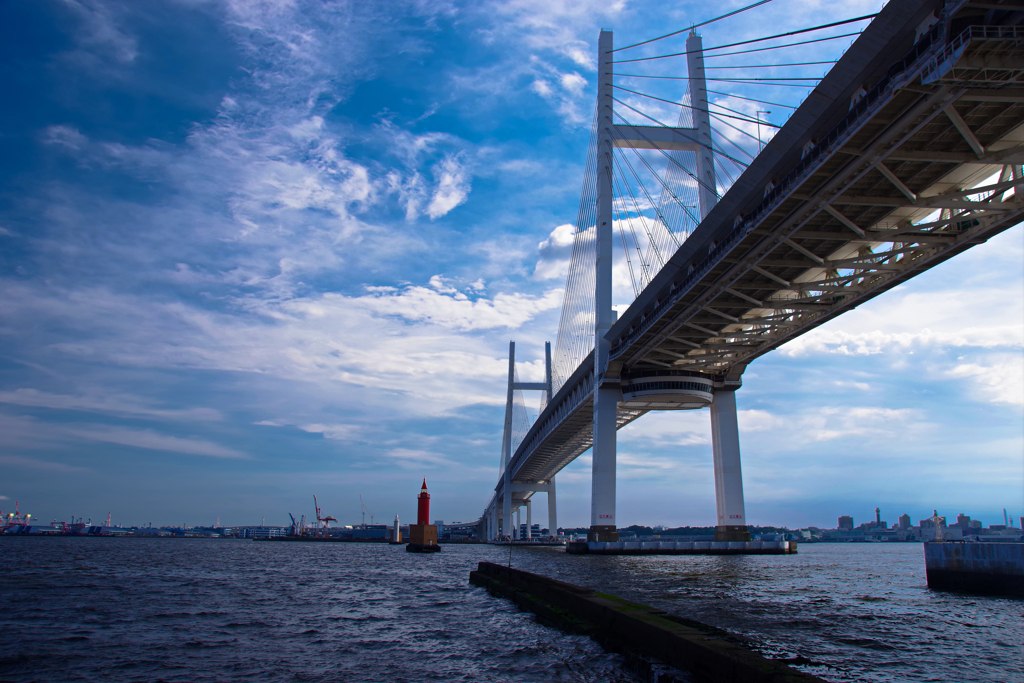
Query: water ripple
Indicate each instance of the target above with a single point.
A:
(199, 610)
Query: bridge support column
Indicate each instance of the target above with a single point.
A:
(552, 510)
(529, 520)
(602, 490)
(725, 442)
(506, 444)
(606, 398)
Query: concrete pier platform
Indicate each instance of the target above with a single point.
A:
(994, 568)
(647, 637)
(681, 547)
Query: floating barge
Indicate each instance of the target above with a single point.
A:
(318, 539)
(681, 548)
(976, 567)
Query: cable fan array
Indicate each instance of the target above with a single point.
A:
(656, 192)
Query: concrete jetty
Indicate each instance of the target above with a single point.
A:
(707, 654)
(996, 568)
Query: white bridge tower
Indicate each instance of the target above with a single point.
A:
(608, 380)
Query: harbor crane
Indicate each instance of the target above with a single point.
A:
(324, 522)
(366, 511)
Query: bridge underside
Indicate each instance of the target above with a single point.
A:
(846, 224)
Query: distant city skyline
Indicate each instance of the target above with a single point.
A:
(253, 252)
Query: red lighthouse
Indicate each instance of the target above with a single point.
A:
(423, 506)
(423, 534)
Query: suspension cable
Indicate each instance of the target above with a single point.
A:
(629, 265)
(644, 263)
(636, 243)
(765, 66)
(736, 128)
(690, 28)
(751, 99)
(643, 187)
(756, 40)
(647, 230)
(663, 183)
(678, 104)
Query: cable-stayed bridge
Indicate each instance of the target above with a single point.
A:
(906, 153)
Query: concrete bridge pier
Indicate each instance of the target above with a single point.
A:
(552, 510)
(725, 443)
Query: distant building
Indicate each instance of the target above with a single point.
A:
(963, 521)
(905, 522)
(255, 532)
(845, 523)
(929, 525)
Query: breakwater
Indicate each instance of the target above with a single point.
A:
(709, 654)
(996, 568)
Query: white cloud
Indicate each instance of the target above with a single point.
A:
(423, 344)
(573, 83)
(134, 406)
(148, 439)
(20, 462)
(68, 137)
(99, 35)
(901, 320)
(828, 423)
(668, 429)
(338, 432)
(438, 283)
(542, 88)
(408, 458)
(453, 184)
(999, 380)
(554, 252)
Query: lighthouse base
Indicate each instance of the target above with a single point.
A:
(420, 548)
(423, 534)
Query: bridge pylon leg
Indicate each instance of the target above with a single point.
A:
(552, 510)
(606, 398)
(602, 490)
(529, 521)
(725, 442)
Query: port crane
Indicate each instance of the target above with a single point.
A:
(298, 528)
(325, 521)
(366, 511)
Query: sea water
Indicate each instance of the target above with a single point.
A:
(109, 609)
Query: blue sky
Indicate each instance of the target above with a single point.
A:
(252, 251)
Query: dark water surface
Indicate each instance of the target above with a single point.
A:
(107, 609)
